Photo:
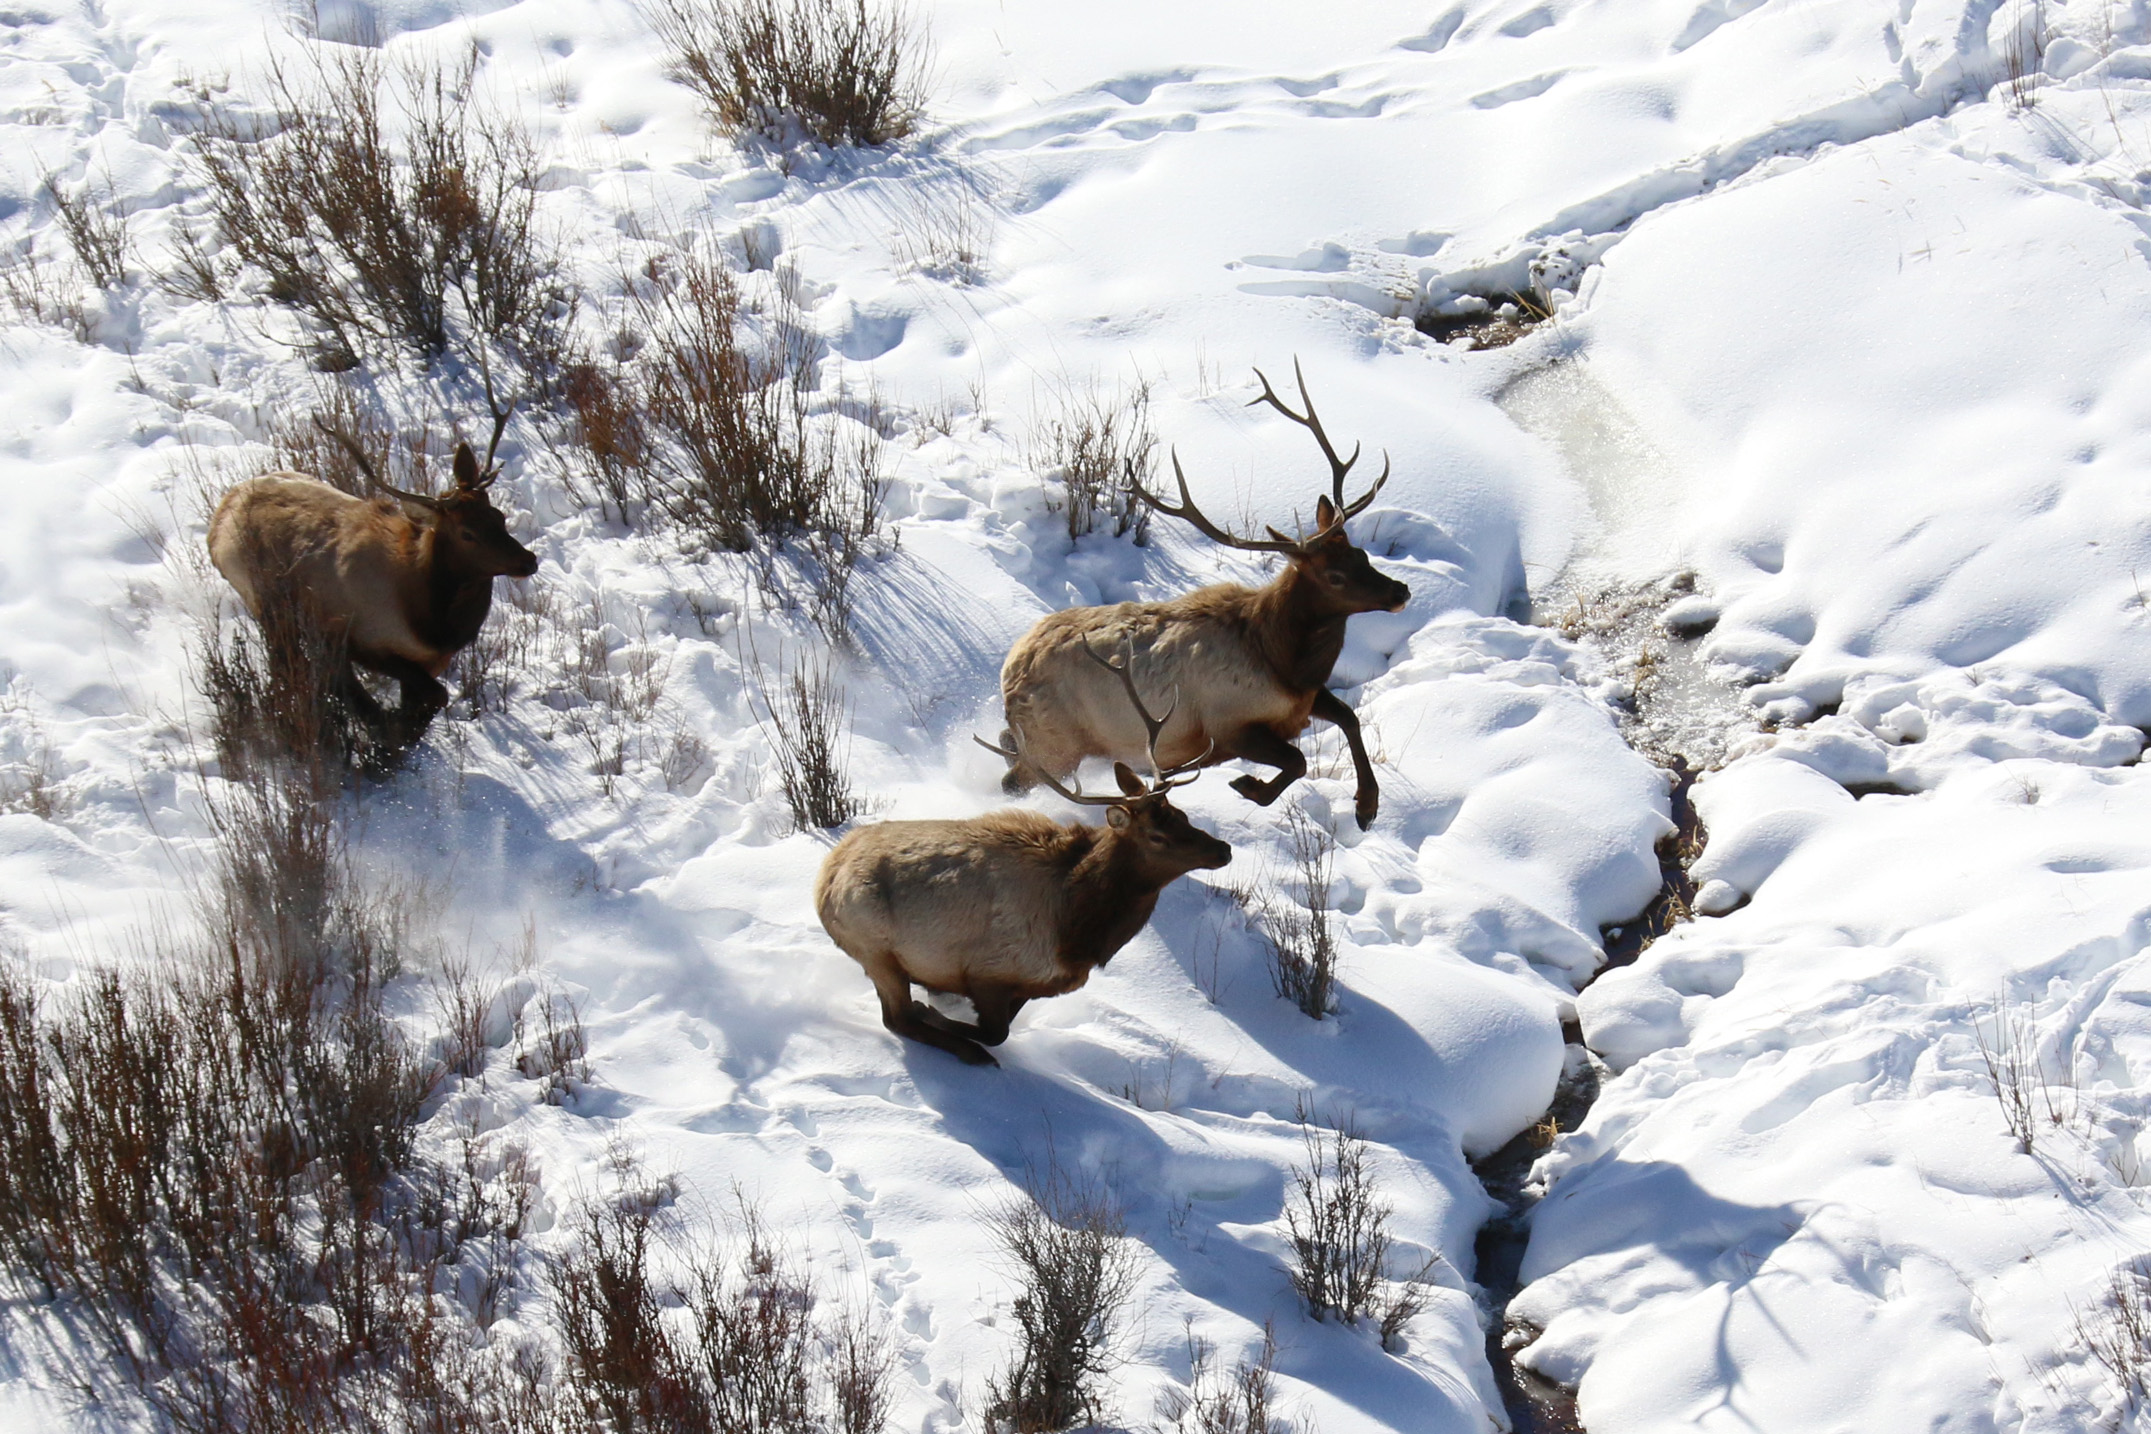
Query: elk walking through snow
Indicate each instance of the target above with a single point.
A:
(401, 582)
(1251, 665)
(1011, 906)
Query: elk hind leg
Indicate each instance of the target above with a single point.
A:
(1256, 743)
(914, 1020)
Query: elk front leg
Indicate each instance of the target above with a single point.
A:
(996, 1006)
(914, 1020)
(1256, 743)
(1332, 709)
(423, 698)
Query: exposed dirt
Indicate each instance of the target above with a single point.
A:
(1503, 320)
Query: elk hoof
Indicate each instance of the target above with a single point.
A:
(1255, 790)
(973, 1055)
(1368, 805)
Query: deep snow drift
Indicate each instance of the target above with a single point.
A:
(1842, 325)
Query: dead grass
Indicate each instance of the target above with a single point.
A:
(96, 229)
(1241, 1400)
(1300, 934)
(842, 72)
(1099, 445)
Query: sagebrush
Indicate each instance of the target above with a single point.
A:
(422, 234)
(1065, 1241)
(843, 72)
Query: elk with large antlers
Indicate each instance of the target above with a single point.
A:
(1251, 664)
(1011, 906)
(401, 582)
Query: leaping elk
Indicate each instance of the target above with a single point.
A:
(1011, 906)
(1250, 664)
(401, 581)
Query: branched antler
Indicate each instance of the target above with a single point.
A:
(351, 446)
(1338, 467)
(1160, 778)
(1017, 751)
(1277, 542)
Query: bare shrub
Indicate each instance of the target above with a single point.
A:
(738, 453)
(463, 1006)
(44, 293)
(1066, 1243)
(422, 234)
(806, 723)
(1338, 1226)
(751, 1355)
(606, 422)
(2008, 1041)
(559, 1051)
(1100, 445)
(845, 72)
(96, 229)
(1300, 935)
(947, 234)
(2117, 1330)
(1242, 1400)
(29, 772)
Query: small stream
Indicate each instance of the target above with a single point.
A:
(1621, 578)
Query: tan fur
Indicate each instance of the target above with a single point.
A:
(964, 902)
(356, 560)
(1205, 648)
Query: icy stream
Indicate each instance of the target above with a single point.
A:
(1623, 576)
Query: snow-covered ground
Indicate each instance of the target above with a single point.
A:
(1851, 316)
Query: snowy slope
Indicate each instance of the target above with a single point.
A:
(1872, 333)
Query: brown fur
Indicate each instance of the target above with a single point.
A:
(402, 587)
(1244, 668)
(1000, 909)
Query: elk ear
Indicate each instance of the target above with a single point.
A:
(1129, 782)
(1117, 818)
(1325, 513)
(466, 466)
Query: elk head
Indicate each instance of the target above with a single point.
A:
(1143, 815)
(1341, 577)
(468, 531)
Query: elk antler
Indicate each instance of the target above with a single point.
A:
(1338, 467)
(1018, 752)
(486, 471)
(350, 445)
(1276, 543)
(1161, 779)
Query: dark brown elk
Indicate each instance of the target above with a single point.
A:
(1011, 906)
(1251, 665)
(400, 583)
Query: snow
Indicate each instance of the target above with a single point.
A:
(1842, 329)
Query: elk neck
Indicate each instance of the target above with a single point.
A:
(1299, 635)
(454, 600)
(1109, 897)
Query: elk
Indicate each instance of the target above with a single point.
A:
(400, 582)
(1011, 906)
(1251, 664)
